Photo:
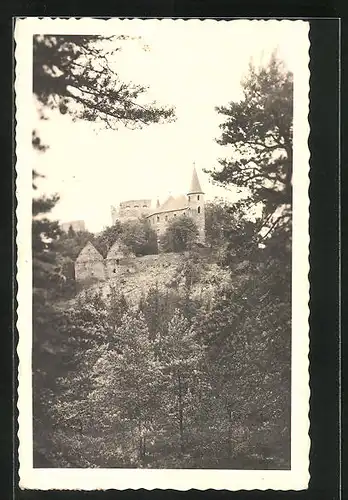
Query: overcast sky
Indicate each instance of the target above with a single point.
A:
(193, 66)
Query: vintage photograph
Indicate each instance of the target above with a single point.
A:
(160, 231)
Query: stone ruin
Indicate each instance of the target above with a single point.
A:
(91, 267)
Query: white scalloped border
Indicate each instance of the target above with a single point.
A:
(101, 479)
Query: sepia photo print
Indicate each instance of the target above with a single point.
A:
(162, 189)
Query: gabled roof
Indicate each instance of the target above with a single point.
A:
(195, 185)
(89, 253)
(171, 204)
(115, 251)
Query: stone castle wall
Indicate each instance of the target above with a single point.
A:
(131, 209)
(114, 268)
(90, 270)
(159, 222)
(195, 210)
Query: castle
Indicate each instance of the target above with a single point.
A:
(90, 265)
(190, 204)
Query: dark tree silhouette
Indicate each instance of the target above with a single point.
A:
(75, 74)
(258, 132)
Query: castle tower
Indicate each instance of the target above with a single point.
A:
(196, 204)
(89, 265)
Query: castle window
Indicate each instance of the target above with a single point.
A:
(117, 261)
(198, 197)
(166, 218)
(199, 210)
(136, 206)
(189, 198)
(158, 219)
(144, 206)
(174, 215)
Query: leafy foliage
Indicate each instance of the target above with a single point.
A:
(72, 242)
(73, 74)
(180, 235)
(181, 382)
(195, 375)
(104, 241)
(180, 353)
(139, 237)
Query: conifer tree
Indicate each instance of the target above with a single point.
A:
(258, 131)
(77, 75)
(248, 358)
(47, 281)
(71, 73)
(251, 316)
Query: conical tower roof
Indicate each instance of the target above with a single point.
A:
(195, 185)
(89, 253)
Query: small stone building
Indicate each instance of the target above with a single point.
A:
(89, 265)
(118, 260)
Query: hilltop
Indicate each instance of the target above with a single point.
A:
(167, 271)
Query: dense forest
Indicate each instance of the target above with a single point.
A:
(177, 378)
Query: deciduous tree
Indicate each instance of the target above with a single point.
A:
(127, 387)
(180, 235)
(139, 237)
(107, 238)
(180, 354)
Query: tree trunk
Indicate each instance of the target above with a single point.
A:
(288, 177)
(140, 444)
(140, 448)
(229, 443)
(180, 408)
(144, 447)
